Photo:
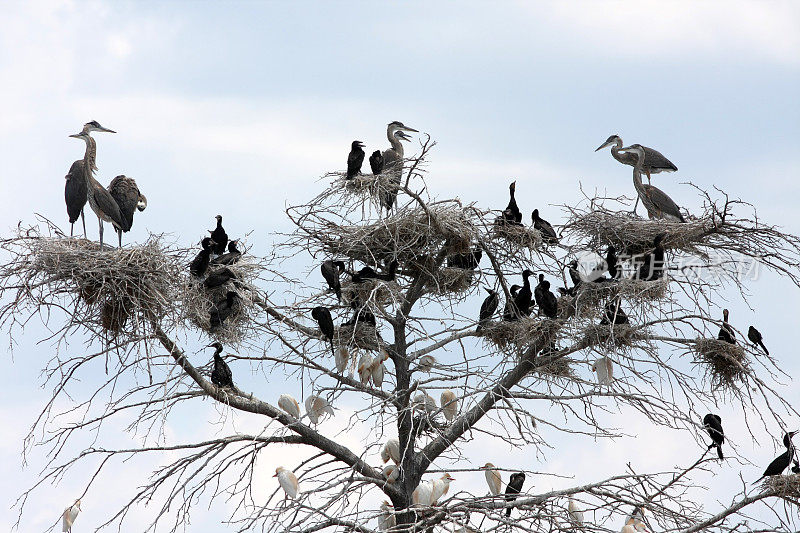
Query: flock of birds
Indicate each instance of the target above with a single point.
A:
(118, 203)
(115, 204)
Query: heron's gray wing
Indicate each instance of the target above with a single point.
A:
(75, 190)
(663, 202)
(126, 193)
(656, 161)
(108, 205)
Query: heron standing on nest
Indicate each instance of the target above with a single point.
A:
(100, 200)
(129, 200)
(656, 201)
(393, 160)
(654, 161)
(75, 190)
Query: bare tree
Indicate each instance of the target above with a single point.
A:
(400, 344)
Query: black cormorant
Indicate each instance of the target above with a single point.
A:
(369, 273)
(512, 214)
(713, 424)
(331, 270)
(513, 488)
(355, 159)
(488, 307)
(129, 199)
(222, 310)
(219, 277)
(653, 263)
(782, 462)
(510, 311)
(469, 261)
(796, 467)
(231, 257)
(611, 262)
(221, 376)
(199, 264)
(219, 236)
(376, 162)
(323, 317)
(545, 299)
(523, 298)
(545, 228)
(614, 314)
(726, 331)
(755, 337)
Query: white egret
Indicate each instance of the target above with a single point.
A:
(604, 368)
(316, 407)
(493, 479)
(365, 368)
(290, 405)
(449, 404)
(378, 370)
(391, 450)
(69, 516)
(342, 356)
(574, 512)
(440, 487)
(391, 473)
(288, 481)
(386, 519)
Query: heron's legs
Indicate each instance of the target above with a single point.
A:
(119, 234)
(71, 227)
(83, 219)
(636, 204)
(100, 220)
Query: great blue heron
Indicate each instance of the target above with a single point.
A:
(219, 236)
(75, 190)
(126, 193)
(355, 159)
(656, 201)
(100, 200)
(654, 161)
(393, 159)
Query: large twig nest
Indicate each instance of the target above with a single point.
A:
(525, 331)
(370, 291)
(591, 294)
(785, 486)
(612, 336)
(359, 335)
(724, 363)
(559, 367)
(518, 235)
(450, 280)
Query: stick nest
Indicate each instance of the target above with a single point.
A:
(612, 336)
(523, 332)
(633, 290)
(358, 335)
(450, 280)
(559, 367)
(374, 291)
(787, 487)
(521, 236)
(725, 364)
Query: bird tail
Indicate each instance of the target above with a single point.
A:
(761, 343)
(338, 291)
(719, 452)
(508, 511)
(758, 480)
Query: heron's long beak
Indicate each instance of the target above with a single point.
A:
(75, 135)
(106, 130)
(604, 145)
(406, 128)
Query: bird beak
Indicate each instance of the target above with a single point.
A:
(101, 128)
(406, 128)
(75, 135)
(603, 146)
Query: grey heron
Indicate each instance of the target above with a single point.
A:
(219, 236)
(126, 193)
(355, 159)
(376, 162)
(100, 200)
(656, 201)
(393, 160)
(654, 162)
(76, 188)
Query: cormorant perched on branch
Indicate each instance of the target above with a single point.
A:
(512, 214)
(523, 298)
(376, 162)
(755, 337)
(219, 236)
(510, 311)
(231, 257)
(331, 270)
(653, 263)
(611, 263)
(575, 276)
(782, 462)
(323, 317)
(513, 488)
(614, 314)
(222, 310)
(355, 159)
(545, 299)
(545, 228)
(713, 424)
(369, 273)
(221, 376)
(219, 277)
(469, 261)
(726, 331)
(199, 264)
(488, 307)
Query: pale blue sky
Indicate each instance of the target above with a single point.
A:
(263, 98)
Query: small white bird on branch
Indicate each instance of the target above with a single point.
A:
(290, 405)
(287, 481)
(391, 473)
(493, 479)
(574, 512)
(317, 407)
(365, 368)
(604, 368)
(440, 487)
(423, 494)
(386, 520)
(342, 357)
(449, 404)
(426, 363)
(391, 450)
(424, 402)
(69, 515)
(378, 370)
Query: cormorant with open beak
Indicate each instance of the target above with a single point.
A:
(355, 159)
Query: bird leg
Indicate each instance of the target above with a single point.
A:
(71, 228)
(636, 204)
(100, 220)
(119, 234)
(83, 219)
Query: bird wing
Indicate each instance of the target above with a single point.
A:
(75, 190)
(108, 205)
(126, 193)
(354, 162)
(666, 204)
(656, 161)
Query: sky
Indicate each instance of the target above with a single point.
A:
(239, 108)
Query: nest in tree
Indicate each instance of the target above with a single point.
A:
(559, 367)
(523, 332)
(375, 291)
(591, 294)
(611, 336)
(359, 335)
(724, 363)
(117, 289)
(199, 301)
(450, 280)
(787, 487)
(518, 235)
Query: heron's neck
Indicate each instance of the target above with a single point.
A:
(90, 156)
(396, 144)
(615, 150)
(637, 182)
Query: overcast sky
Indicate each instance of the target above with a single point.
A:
(239, 108)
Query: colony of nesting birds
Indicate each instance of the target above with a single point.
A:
(529, 309)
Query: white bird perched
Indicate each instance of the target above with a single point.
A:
(378, 369)
(386, 519)
(290, 405)
(636, 521)
(423, 494)
(627, 528)
(605, 370)
(449, 404)
(342, 356)
(426, 363)
(391, 450)
(391, 473)
(574, 512)
(493, 479)
(69, 515)
(423, 401)
(440, 487)
(365, 368)
(316, 407)
(288, 481)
